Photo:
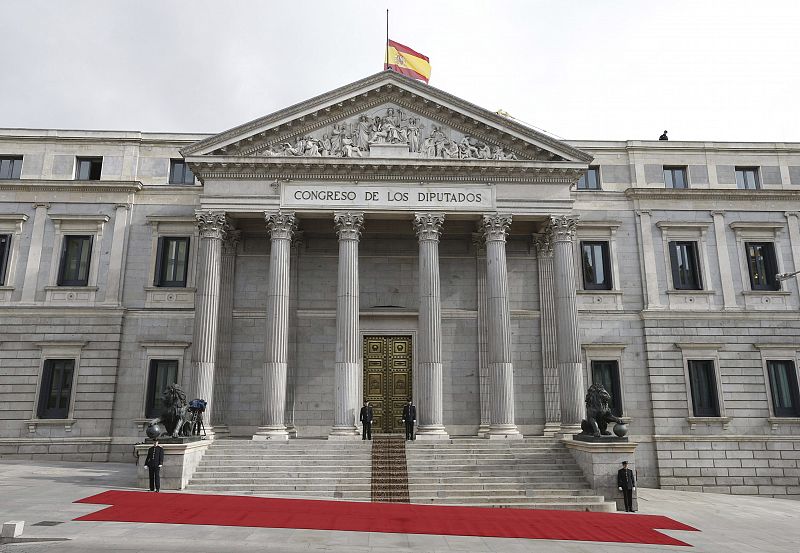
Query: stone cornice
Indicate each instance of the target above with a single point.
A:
(383, 84)
(316, 168)
(731, 194)
(52, 185)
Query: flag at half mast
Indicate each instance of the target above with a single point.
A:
(406, 61)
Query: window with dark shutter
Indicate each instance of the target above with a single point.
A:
(685, 266)
(783, 387)
(703, 383)
(172, 262)
(607, 374)
(76, 257)
(56, 390)
(162, 372)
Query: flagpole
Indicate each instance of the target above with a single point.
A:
(387, 39)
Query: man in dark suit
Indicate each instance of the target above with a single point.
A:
(366, 420)
(409, 417)
(626, 483)
(154, 462)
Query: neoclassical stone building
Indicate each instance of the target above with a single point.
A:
(388, 240)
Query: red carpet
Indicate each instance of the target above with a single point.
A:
(228, 510)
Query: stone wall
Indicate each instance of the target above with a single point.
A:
(747, 465)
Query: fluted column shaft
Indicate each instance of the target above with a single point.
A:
(483, 336)
(501, 368)
(428, 227)
(224, 328)
(206, 309)
(570, 368)
(547, 325)
(348, 346)
(281, 227)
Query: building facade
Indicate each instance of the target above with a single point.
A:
(388, 240)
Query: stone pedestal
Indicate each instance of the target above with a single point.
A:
(389, 150)
(600, 462)
(180, 462)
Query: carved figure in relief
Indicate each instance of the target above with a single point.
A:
(428, 147)
(326, 144)
(412, 131)
(362, 132)
(312, 148)
(451, 150)
(336, 139)
(349, 148)
(485, 152)
(466, 149)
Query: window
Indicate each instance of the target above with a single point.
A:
(596, 266)
(783, 385)
(88, 168)
(76, 255)
(591, 180)
(172, 262)
(675, 177)
(747, 178)
(162, 372)
(703, 383)
(54, 397)
(607, 374)
(10, 167)
(685, 266)
(762, 265)
(5, 254)
(179, 172)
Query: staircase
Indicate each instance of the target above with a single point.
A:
(306, 469)
(534, 473)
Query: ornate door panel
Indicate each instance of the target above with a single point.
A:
(387, 379)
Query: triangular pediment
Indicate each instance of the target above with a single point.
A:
(388, 115)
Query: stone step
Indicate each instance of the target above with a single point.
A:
(507, 499)
(599, 506)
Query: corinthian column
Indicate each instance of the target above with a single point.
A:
(547, 328)
(348, 346)
(206, 309)
(224, 330)
(280, 226)
(483, 333)
(501, 369)
(570, 369)
(429, 399)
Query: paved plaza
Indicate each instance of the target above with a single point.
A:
(36, 491)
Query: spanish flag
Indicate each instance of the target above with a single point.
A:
(407, 62)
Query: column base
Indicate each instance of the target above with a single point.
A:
(291, 430)
(483, 429)
(503, 432)
(551, 429)
(221, 431)
(344, 433)
(567, 431)
(271, 433)
(431, 432)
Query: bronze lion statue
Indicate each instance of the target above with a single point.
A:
(598, 412)
(175, 419)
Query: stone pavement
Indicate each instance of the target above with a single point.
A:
(36, 491)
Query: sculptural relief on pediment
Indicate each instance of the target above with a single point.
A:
(388, 131)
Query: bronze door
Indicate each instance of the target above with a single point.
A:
(387, 380)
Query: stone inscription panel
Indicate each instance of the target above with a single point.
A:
(387, 197)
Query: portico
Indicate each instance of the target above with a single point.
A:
(377, 219)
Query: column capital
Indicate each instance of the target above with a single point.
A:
(428, 226)
(495, 227)
(280, 224)
(543, 242)
(230, 243)
(349, 224)
(563, 227)
(211, 224)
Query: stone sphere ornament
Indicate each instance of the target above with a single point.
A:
(153, 431)
(621, 429)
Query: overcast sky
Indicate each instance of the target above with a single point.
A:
(580, 69)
